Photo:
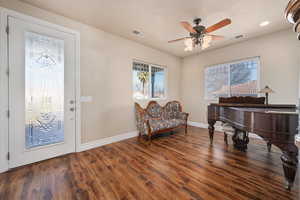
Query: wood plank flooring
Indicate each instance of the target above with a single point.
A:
(173, 167)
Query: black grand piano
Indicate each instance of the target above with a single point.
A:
(276, 124)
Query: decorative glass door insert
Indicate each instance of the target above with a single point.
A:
(44, 90)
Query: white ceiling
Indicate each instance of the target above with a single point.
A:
(158, 20)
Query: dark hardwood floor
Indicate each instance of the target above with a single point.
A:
(173, 167)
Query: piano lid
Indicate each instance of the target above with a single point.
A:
(245, 105)
(281, 111)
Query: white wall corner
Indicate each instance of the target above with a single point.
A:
(105, 141)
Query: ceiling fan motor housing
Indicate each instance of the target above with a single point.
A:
(197, 21)
(200, 29)
(200, 33)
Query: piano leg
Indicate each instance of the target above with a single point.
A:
(269, 144)
(240, 140)
(211, 129)
(289, 160)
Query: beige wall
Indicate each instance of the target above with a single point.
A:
(106, 64)
(280, 63)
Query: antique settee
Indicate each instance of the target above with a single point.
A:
(156, 119)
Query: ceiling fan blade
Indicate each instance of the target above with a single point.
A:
(219, 25)
(178, 39)
(216, 37)
(188, 27)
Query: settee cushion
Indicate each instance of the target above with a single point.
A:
(161, 124)
(154, 109)
(171, 110)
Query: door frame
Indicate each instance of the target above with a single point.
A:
(4, 80)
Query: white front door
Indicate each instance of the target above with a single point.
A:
(41, 92)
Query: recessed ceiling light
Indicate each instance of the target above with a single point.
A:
(265, 23)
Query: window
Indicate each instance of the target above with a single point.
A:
(149, 81)
(232, 79)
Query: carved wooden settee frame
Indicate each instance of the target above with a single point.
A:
(155, 119)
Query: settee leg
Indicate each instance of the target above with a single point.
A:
(225, 138)
(142, 139)
(149, 139)
(185, 131)
(269, 145)
(139, 137)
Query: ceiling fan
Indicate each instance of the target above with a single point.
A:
(199, 35)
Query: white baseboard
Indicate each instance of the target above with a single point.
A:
(3, 169)
(3, 162)
(217, 128)
(109, 140)
(197, 124)
(203, 125)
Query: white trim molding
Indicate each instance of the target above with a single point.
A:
(3, 92)
(203, 125)
(3, 169)
(197, 124)
(109, 140)
(217, 128)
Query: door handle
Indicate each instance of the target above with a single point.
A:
(72, 109)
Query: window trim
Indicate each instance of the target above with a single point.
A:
(258, 58)
(150, 79)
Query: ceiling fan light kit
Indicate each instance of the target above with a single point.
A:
(188, 42)
(206, 42)
(199, 35)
